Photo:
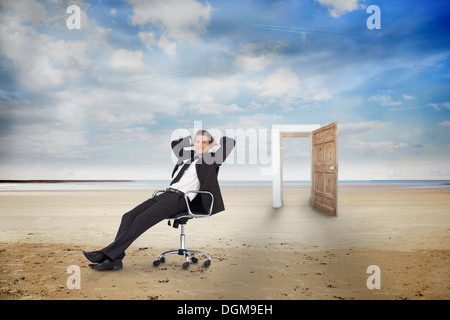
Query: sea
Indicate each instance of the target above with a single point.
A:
(162, 184)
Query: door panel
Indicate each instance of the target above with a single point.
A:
(325, 168)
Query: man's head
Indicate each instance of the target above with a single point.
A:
(202, 141)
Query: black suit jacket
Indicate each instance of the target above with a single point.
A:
(207, 170)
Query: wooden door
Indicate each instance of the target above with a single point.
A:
(324, 144)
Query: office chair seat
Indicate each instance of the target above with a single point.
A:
(180, 219)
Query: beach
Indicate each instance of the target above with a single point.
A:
(258, 252)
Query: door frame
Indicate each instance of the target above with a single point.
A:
(279, 132)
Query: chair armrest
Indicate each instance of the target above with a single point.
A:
(209, 211)
(157, 191)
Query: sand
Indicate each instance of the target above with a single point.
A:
(258, 252)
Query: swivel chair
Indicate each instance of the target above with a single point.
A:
(180, 219)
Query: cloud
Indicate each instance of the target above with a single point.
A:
(127, 105)
(125, 118)
(255, 121)
(123, 136)
(284, 88)
(211, 107)
(39, 61)
(213, 88)
(409, 97)
(170, 47)
(359, 128)
(62, 143)
(336, 8)
(317, 94)
(128, 61)
(148, 39)
(354, 130)
(43, 132)
(76, 124)
(440, 170)
(440, 106)
(257, 56)
(74, 98)
(31, 11)
(64, 127)
(388, 146)
(277, 84)
(181, 20)
(384, 100)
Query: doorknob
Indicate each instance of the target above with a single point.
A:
(331, 168)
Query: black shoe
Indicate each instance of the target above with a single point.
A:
(108, 265)
(95, 256)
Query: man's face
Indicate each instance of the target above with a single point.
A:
(201, 144)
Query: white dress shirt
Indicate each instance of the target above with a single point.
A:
(189, 181)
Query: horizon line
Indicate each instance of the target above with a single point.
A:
(161, 180)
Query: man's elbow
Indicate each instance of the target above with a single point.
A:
(228, 141)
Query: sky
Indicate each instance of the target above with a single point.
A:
(105, 100)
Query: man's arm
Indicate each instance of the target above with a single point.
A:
(178, 148)
(226, 146)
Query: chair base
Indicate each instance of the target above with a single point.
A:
(188, 254)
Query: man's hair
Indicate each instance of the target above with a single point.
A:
(204, 133)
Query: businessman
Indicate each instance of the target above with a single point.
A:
(195, 170)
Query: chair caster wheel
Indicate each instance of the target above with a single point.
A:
(194, 260)
(157, 262)
(185, 265)
(207, 263)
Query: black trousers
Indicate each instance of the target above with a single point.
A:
(140, 219)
